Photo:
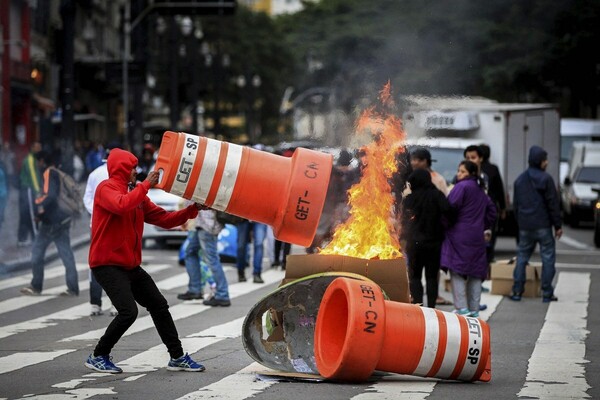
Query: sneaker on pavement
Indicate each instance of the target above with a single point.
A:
(549, 299)
(30, 291)
(68, 293)
(96, 310)
(113, 311)
(190, 296)
(102, 364)
(214, 302)
(185, 363)
(482, 307)
(474, 314)
(258, 279)
(462, 311)
(515, 297)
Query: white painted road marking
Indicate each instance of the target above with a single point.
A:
(561, 342)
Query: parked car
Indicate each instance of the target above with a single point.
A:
(597, 217)
(227, 242)
(169, 202)
(577, 198)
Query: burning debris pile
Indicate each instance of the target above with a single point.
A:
(370, 232)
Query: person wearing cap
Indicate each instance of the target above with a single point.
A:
(420, 158)
(536, 207)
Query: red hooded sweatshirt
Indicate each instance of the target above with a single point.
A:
(119, 215)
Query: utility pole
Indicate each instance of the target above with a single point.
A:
(67, 128)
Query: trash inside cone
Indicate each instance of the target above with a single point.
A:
(357, 332)
(286, 193)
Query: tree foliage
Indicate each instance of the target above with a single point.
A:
(509, 50)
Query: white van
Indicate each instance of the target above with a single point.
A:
(575, 130)
(583, 175)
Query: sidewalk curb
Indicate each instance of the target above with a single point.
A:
(51, 255)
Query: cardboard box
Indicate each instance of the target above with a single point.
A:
(390, 275)
(502, 278)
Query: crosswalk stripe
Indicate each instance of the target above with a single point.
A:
(19, 302)
(157, 356)
(49, 273)
(21, 360)
(239, 386)
(184, 310)
(75, 394)
(561, 342)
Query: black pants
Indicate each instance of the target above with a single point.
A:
(125, 288)
(423, 257)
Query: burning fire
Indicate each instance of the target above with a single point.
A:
(369, 232)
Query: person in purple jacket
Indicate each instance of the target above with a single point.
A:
(463, 249)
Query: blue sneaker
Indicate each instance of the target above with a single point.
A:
(102, 364)
(474, 314)
(185, 363)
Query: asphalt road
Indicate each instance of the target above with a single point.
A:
(539, 350)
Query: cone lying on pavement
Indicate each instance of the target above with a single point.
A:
(357, 332)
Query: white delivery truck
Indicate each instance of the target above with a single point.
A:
(448, 124)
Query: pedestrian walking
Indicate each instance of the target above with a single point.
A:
(55, 226)
(255, 233)
(29, 188)
(204, 235)
(422, 212)
(281, 251)
(536, 207)
(94, 178)
(463, 249)
(120, 209)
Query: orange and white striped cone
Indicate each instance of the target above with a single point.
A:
(286, 193)
(357, 332)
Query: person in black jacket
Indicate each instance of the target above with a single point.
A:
(496, 193)
(422, 213)
(536, 206)
(55, 225)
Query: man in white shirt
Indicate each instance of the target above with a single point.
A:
(94, 179)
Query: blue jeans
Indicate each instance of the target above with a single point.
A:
(201, 239)
(527, 241)
(59, 234)
(259, 232)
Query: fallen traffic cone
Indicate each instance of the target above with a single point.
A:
(357, 332)
(286, 193)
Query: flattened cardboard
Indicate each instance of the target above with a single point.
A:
(502, 278)
(390, 275)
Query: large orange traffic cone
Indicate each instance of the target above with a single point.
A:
(357, 332)
(286, 193)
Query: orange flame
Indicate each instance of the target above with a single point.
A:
(369, 232)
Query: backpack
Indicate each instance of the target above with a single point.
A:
(69, 198)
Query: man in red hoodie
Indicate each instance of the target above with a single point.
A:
(120, 209)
